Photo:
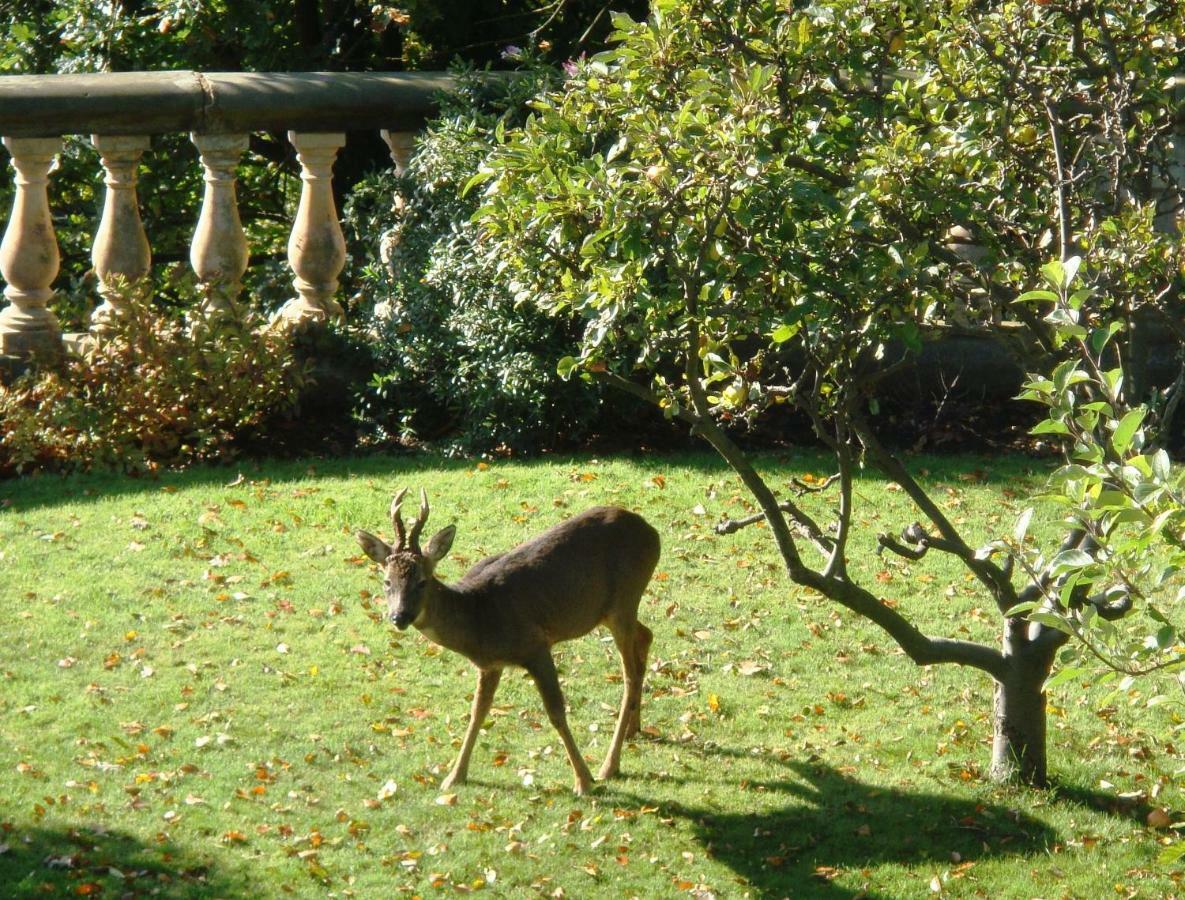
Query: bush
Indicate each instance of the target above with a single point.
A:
(150, 394)
(459, 361)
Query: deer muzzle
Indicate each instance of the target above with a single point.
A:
(401, 619)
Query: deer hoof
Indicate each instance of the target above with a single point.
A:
(582, 788)
(452, 781)
(607, 772)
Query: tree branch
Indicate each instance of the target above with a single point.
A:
(837, 565)
(920, 648)
(948, 540)
(1063, 208)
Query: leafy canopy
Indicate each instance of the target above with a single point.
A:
(755, 203)
(749, 168)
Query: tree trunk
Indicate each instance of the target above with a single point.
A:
(1018, 724)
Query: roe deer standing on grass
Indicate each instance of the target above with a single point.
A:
(510, 608)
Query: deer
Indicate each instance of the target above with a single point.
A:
(511, 608)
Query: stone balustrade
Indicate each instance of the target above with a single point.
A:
(219, 110)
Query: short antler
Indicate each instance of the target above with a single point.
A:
(397, 520)
(413, 537)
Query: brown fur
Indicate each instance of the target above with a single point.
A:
(509, 609)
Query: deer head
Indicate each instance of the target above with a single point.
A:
(408, 575)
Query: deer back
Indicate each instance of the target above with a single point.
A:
(569, 579)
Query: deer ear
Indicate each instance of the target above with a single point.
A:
(376, 548)
(441, 543)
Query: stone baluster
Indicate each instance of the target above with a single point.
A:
(29, 253)
(121, 255)
(219, 250)
(317, 248)
(402, 144)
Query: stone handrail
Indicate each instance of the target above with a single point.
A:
(121, 111)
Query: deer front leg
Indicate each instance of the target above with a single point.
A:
(542, 669)
(483, 698)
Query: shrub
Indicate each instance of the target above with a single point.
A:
(459, 361)
(149, 394)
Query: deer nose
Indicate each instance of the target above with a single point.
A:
(401, 620)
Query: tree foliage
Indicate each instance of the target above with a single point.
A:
(759, 207)
(1119, 489)
(458, 362)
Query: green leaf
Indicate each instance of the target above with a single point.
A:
(1022, 525)
(1064, 674)
(566, 366)
(1172, 853)
(1100, 337)
(1030, 296)
(1165, 637)
(480, 177)
(1049, 426)
(1051, 620)
(1070, 269)
(1055, 274)
(784, 332)
(1126, 430)
(1068, 560)
(1162, 466)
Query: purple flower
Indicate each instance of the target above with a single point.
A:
(512, 52)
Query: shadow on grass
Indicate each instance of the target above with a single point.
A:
(836, 823)
(44, 491)
(46, 862)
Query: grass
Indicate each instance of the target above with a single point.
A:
(198, 698)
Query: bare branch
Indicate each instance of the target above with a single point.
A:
(1110, 605)
(885, 542)
(919, 647)
(803, 523)
(1063, 208)
(1173, 394)
(948, 540)
(837, 565)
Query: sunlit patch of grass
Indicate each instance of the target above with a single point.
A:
(198, 695)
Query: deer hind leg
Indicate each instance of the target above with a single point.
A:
(633, 642)
(643, 638)
(542, 669)
(483, 698)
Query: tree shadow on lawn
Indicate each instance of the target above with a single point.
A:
(60, 862)
(836, 822)
(46, 491)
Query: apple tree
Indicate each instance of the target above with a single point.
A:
(760, 207)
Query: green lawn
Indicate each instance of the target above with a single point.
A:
(198, 698)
